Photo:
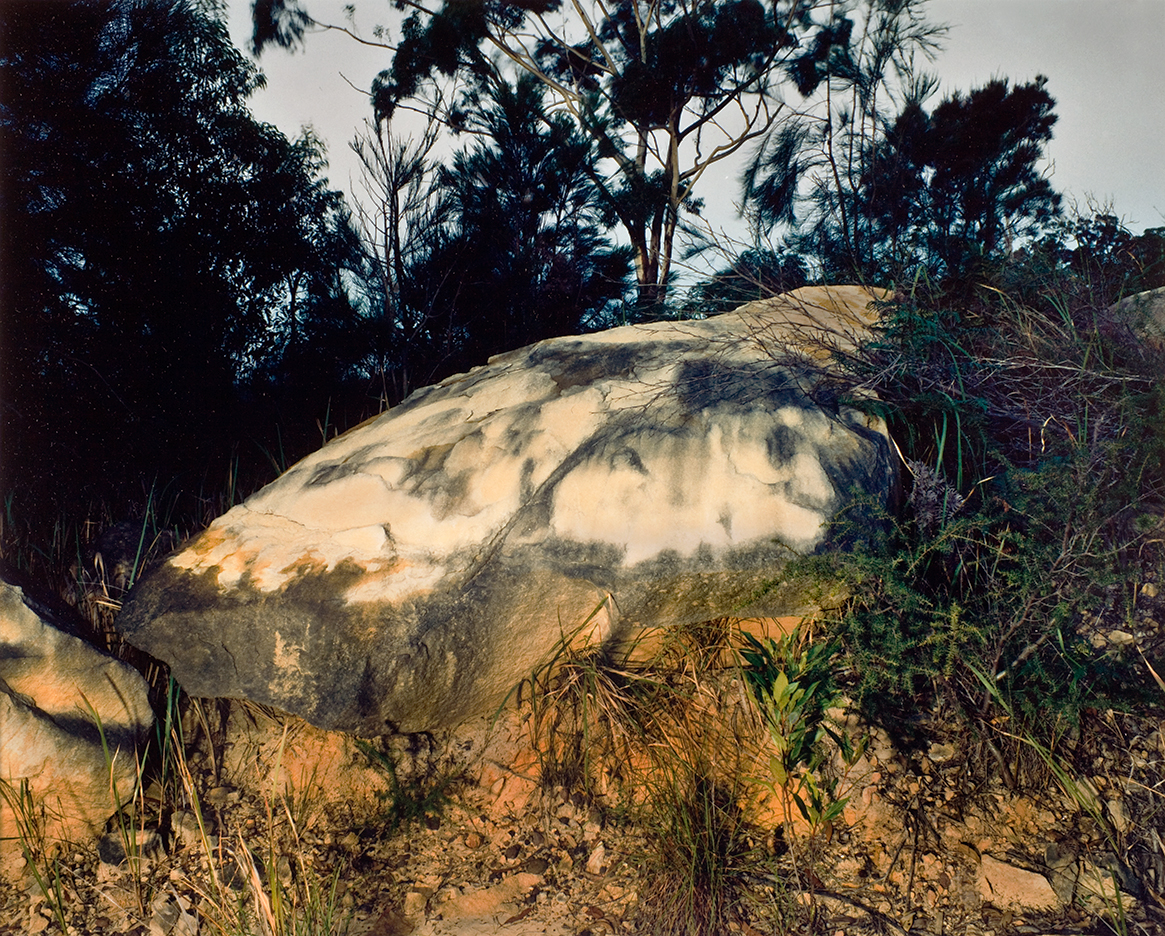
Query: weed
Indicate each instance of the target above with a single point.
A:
(704, 848)
(408, 800)
(39, 860)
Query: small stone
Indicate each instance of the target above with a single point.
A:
(595, 861)
(1149, 590)
(1118, 813)
(1012, 888)
(222, 796)
(187, 829)
(1120, 638)
(415, 901)
(474, 839)
(111, 848)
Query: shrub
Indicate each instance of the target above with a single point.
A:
(1032, 438)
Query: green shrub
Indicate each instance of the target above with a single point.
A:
(1033, 439)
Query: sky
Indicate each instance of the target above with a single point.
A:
(1104, 59)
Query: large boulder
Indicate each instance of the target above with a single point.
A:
(58, 695)
(414, 570)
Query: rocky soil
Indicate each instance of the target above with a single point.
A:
(266, 824)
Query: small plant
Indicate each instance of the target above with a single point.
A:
(40, 860)
(409, 800)
(792, 682)
(704, 848)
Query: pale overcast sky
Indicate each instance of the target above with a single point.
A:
(1105, 62)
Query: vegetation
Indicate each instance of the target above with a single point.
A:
(1032, 445)
(503, 246)
(661, 91)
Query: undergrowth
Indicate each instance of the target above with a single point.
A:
(1032, 437)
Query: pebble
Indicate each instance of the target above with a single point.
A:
(595, 861)
(222, 796)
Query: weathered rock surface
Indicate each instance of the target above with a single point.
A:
(411, 572)
(1147, 312)
(51, 684)
(1012, 888)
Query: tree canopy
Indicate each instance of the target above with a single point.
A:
(501, 246)
(159, 244)
(662, 90)
(942, 188)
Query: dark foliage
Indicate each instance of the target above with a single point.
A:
(959, 185)
(649, 85)
(753, 274)
(1034, 460)
(949, 191)
(159, 247)
(524, 255)
(501, 247)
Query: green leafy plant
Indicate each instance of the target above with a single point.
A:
(791, 679)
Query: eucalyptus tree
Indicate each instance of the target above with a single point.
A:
(664, 90)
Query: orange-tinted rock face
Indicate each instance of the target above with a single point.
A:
(54, 689)
(412, 571)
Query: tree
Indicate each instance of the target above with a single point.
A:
(663, 90)
(947, 189)
(155, 234)
(862, 61)
(402, 220)
(962, 183)
(1114, 261)
(509, 247)
(755, 273)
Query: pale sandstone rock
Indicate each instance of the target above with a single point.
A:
(1010, 888)
(410, 573)
(1146, 310)
(52, 685)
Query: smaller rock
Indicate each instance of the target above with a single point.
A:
(187, 829)
(111, 848)
(172, 916)
(1149, 590)
(222, 796)
(595, 861)
(1118, 813)
(1012, 888)
(941, 753)
(415, 901)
